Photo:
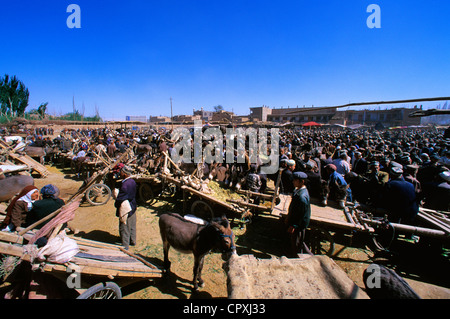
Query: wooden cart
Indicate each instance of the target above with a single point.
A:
(328, 222)
(97, 270)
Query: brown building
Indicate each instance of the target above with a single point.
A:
(388, 117)
(295, 115)
(222, 116)
(159, 119)
(186, 118)
(332, 115)
(260, 113)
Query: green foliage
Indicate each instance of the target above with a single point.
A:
(13, 96)
(42, 109)
(218, 108)
(77, 116)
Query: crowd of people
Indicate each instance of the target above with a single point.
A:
(396, 170)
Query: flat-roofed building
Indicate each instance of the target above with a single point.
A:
(204, 115)
(159, 119)
(301, 115)
(260, 113)
(388, 117)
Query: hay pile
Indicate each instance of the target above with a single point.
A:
(222, 193)
(312, 277)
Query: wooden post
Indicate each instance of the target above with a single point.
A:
(413, 229)
(275, 192)
(167, 158)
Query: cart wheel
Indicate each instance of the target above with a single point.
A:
(383, 238)
(98, 194)
(202, 209)
(146, 194)
(320, 242)
(103, 290)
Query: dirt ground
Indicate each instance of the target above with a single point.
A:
(426, 272)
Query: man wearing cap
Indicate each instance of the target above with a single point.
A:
(400, 198)
(286, 178)
(127, 192)
(299, 214)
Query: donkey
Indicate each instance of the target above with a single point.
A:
(12, 185)
(188, 237)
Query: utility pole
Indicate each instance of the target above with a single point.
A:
(171, 115)
(73, 108)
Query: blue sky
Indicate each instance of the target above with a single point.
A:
(130, 57)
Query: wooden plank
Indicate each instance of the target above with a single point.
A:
(93, 243)
(433, 222)
(12, 250)
(91, 267)
(104, 272)
(140, 259)
(27, 160)
(11, 237)
(249, 193)
(249, 205)
(420, 231)
(172, 180)
(112, 265)
(334, 223)
(99, 250)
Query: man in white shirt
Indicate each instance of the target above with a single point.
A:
(342, 165)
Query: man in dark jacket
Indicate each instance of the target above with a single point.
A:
(440, 199)
(360, 164)
(314, 184)
(299, 214)
(286, 178)
(127, 220)
(49, 203)
(400, 198)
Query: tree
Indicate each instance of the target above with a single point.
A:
(42, 109)
(218, 108)
(13, 96)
